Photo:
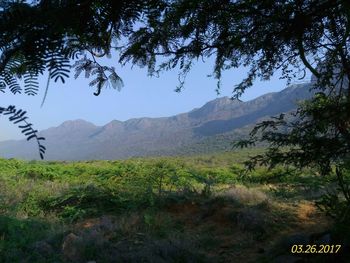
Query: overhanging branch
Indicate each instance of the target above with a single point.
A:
(304, 60)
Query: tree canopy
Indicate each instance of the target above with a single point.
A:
(48, 35)
(41, 36)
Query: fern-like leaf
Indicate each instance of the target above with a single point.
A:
(19, 117)
(58, 65)
(7, 80)
(31, 84)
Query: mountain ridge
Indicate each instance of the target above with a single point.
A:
(221, 118)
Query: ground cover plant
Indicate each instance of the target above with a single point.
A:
(176, 209)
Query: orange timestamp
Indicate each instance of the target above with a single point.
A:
(315, 249)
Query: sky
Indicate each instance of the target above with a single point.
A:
(141, 96)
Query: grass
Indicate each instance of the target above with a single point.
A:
(178, 209)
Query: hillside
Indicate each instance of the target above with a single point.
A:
(206, 129)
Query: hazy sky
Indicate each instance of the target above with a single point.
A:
(141, 96)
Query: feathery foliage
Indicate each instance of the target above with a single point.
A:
(292, 36)
(18, 116)
(265, 36)
(46, 36)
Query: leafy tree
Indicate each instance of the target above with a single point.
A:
(316, 135)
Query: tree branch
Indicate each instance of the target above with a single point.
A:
(304, 60)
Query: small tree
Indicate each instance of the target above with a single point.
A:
(318, 136)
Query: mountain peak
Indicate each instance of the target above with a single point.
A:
(218, 106)
(113, 125)
(77, 123)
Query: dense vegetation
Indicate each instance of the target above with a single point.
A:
(180, 209)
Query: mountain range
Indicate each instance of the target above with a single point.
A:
(210, 128)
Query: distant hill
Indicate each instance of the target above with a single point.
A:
(207, 129)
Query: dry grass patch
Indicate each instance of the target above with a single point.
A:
(244, 195)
